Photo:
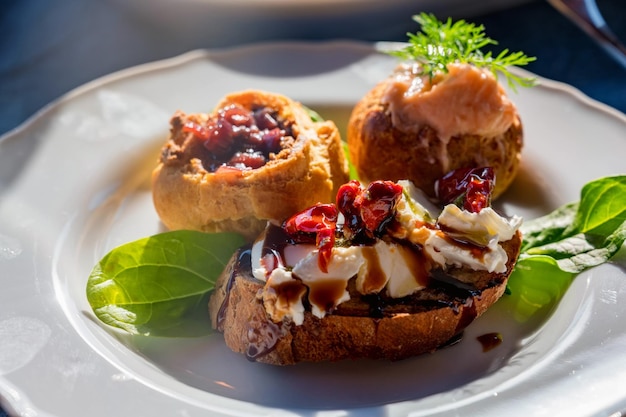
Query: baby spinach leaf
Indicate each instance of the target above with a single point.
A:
(602, 206)
(573, 238)
(537, 283)
(592, 255)
(315, 116)
(549, 228)
(153, 285)
(600, 212)
(584, 234)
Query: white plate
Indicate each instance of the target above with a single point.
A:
(75, 183)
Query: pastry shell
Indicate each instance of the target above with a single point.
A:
(379, 150)
(188, 196)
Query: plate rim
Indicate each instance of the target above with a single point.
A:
(191, 56)
(207, 53)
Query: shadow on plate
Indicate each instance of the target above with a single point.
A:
(207, 364)
(261, 60)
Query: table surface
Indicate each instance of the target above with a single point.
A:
(49, 47)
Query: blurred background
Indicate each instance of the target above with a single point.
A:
(49, 47)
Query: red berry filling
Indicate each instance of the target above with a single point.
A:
(241, 138)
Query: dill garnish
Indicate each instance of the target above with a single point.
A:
(441, 43)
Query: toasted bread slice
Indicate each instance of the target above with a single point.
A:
(370, 326)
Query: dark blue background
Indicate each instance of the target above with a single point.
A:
(48, 47)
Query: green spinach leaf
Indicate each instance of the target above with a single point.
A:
(573, 238)
(549, 228)
(152, 286)
(602, 206)
(584, 234)
(537, 283)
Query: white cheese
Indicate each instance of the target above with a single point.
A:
(278, 307)
(400, 275)
(446, 254)
(480, 228)
(344, 264)
(384, 266)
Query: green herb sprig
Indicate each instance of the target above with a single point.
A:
(442, 43)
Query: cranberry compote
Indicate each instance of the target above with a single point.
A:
(240, 138)
(469, 188)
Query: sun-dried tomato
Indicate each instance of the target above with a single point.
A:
(315, 224)
(366, 212)
(377, 204)
(468, 188)
(346, 196)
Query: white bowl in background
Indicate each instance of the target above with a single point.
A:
(211, 23)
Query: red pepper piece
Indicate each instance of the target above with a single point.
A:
(478, 195)
(325, 241)
(377, 203)
(312, 220)
(469, 188)
(217, 135)
(245, 160)
(237, 116)
(346, 197)
(220, 138)
(316, 223)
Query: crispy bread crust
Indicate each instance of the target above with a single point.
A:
(359, 328)
(186, 196)
(378, 150)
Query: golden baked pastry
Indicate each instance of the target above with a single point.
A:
(409, 126)
(258, 156)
